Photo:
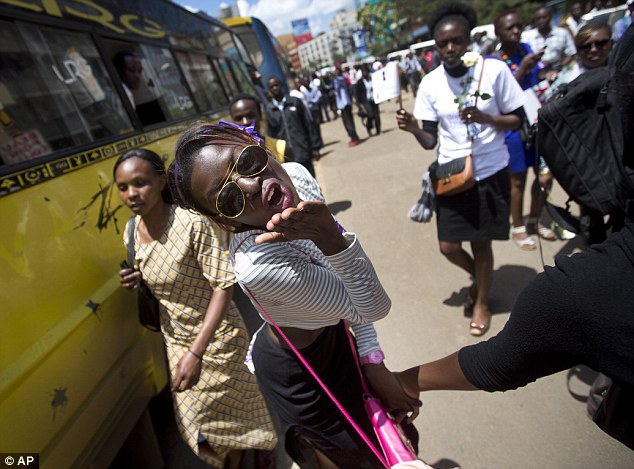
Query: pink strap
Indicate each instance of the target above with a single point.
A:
(321, 383)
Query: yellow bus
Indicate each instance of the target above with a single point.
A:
(76, 369)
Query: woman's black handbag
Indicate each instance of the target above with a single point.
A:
(147, 304)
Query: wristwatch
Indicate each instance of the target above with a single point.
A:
(373, 358)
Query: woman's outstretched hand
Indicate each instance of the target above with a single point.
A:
(386, 386)
(309, 220)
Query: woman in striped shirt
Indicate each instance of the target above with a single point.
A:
(292, 258)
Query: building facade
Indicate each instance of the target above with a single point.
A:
(335, 44)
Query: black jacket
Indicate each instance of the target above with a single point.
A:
(293, 125)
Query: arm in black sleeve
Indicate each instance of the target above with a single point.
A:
(431, 127)
(538, 339)
(577, 312)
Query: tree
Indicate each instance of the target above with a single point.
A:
(380, 21)
(489, 9)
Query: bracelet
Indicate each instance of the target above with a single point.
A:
(196, 355)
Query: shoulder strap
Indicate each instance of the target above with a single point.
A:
(131, 225)
(477, 94)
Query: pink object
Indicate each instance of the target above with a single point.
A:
(394, 443)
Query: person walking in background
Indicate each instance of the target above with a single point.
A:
(245, 110)
(310, 276)
(288, 119)
(344, 104)
(480, 214)
(555, 42)
(413, 70)
(573, 19)
(621, 25)
(318, 83)
(299, 91)
(217, 403)
(525, 66)
(329, 94)
(365, 101)
(314, 98)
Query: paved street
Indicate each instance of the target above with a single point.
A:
(370, 189)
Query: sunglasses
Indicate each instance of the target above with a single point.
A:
(231, 201)
(598, 44)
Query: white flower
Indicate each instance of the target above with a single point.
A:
(469, 59)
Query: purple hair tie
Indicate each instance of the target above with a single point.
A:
(250, 129)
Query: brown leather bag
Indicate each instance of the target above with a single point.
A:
(453, 177)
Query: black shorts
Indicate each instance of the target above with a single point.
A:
(478, 214)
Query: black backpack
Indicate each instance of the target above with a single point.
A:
(581, 136)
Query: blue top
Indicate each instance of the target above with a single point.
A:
(514, 61)
(520, 157)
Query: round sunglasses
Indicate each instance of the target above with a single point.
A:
(231, 201)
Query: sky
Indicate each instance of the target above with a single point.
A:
(277, 14)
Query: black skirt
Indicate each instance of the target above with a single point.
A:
(303, 407)
(478, 214)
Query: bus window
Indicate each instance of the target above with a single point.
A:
(168, 83)
(227, 76)
(151, 81)
(241, 74)
(202, 80)
(251, 43)
(55, 93)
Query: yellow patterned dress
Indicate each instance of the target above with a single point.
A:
(183, 268)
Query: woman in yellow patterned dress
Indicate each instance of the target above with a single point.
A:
(218, 406)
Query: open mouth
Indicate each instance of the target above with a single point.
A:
(276, 197)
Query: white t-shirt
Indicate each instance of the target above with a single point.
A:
(435, 102)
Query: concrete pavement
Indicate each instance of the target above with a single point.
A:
(371, 187)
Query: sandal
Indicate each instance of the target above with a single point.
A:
(527, 243)
(543, 231)
(478, 330)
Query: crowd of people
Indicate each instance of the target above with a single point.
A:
(240, 204)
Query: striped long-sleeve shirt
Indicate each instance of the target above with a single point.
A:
(299, 286)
